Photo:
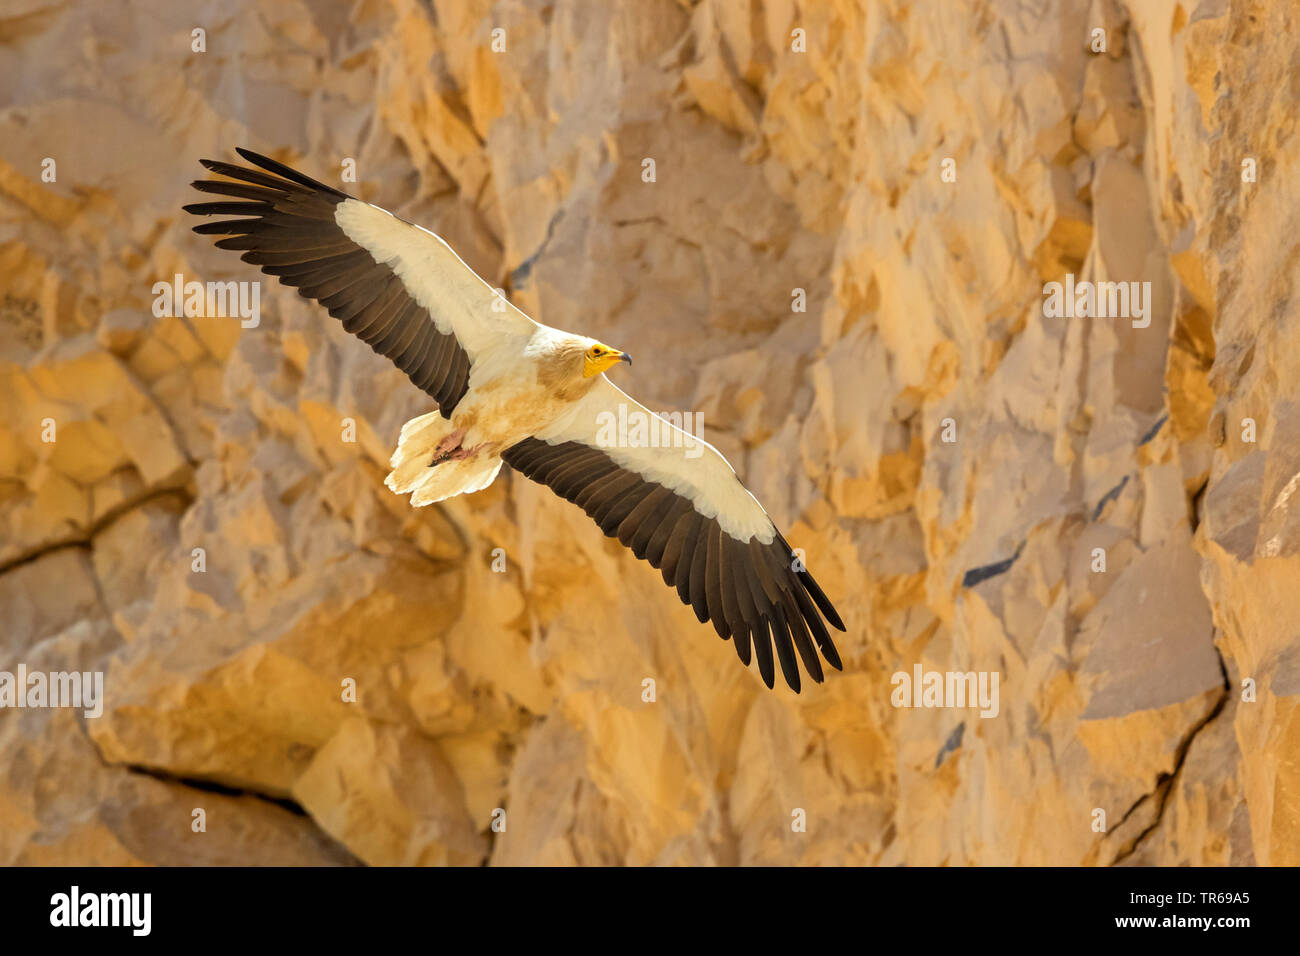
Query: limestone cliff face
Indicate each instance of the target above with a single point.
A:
(1097, 513)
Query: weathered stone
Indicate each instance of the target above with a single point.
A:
(839, 263)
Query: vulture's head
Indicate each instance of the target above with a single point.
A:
(597, 357)
(570, 363)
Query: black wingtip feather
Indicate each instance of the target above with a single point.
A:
(822, 601)
(784, 653)
(742, 645)
(222, 227)
(763, 652)
(269, 164)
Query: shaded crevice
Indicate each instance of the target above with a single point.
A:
(86, 539)
(522, 271)
(1153, 430)
(211, 786)
(1165, 782)
(1133, 809)
(1110, 496)
(950, 745)
(976, 575)
(1195, 501)
(30, 557)
(492, 834)
(512, 745)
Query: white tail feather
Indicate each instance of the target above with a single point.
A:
(411, 471)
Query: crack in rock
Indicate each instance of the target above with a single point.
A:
(1165, 782)
(211, 786)
(86, 540)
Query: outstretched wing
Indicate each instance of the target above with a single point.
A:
(675, 502)
(397, 286)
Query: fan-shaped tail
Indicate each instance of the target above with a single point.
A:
(427, 483)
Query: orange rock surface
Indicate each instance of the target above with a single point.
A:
(839, 262)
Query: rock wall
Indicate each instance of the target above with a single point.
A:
(1094, 510)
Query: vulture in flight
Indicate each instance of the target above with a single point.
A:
(508, 389)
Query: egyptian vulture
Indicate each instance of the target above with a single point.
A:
(511, 390)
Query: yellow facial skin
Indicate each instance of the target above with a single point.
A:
(600, 357)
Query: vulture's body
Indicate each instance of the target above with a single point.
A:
(511, 390)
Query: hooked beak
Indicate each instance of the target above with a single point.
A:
(608, 360)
